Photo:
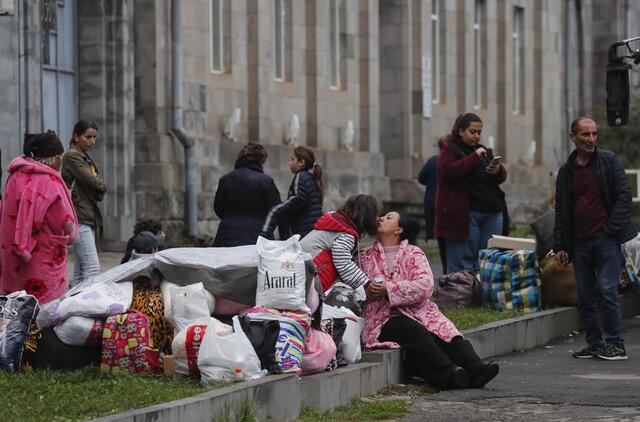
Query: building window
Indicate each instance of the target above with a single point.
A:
(517, 38)
(278, 40)
(59, 48)
(436, 6)
(480, 54)
(337, 40)
(217, 36)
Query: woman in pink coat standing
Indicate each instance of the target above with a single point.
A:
(398, 312)
(37, 221)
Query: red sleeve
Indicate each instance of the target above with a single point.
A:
(452, 169)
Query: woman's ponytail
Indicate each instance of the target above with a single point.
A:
(317, 176)
(306, 154)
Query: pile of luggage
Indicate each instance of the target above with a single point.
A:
(224, 313)
(511, 276)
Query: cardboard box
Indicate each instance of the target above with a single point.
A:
(167, 365)
(506, 242)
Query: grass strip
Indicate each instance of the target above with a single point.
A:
(467, 318)
(358, 410)
(87, 393)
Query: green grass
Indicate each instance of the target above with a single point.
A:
(522, 230)
(466, 318)
(85, 394)
(359, 410)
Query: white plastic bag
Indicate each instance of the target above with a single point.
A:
(189, 305)
(350, 347)
(186, 345)
(80, 331)
(281, 274)
(88, 299)
(230, 357)
(168, 290)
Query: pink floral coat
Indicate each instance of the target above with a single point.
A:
(36, 225)
(409, 287)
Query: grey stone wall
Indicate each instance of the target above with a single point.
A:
(266, 104)
(106, 96)
(20, 108)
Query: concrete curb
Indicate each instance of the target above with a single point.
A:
(280, 397)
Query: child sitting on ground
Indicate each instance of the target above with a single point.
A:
(152, 226)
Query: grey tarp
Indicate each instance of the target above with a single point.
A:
(228, 272)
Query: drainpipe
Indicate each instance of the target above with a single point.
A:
(177, 126)
(567, 77)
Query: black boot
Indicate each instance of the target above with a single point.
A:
(459, 377)
(484, 374)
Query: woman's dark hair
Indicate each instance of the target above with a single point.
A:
(153, 226)
(42, 145)
(462, 123)
(410, 228)
(81, 127)
(253, 153)
(306, 154)
(363, 211)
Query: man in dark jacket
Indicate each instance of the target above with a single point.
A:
(593, 217)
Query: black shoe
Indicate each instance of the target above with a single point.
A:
(459, 378)
(488, 372)
(611, 352)
(586, 353)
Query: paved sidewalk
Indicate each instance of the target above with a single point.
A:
(108, 260)
(548, 384)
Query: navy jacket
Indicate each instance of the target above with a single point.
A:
(301, 210)
(428, 178)
(616, 195)
(243, 199)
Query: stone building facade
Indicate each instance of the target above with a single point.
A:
(369, 84)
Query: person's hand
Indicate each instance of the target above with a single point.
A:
(378, 289)
(481, 152)
(493, 169)
(562, 258)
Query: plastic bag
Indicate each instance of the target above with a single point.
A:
(168, 290)
(80, 331)
(17, 311)
(349, 349)
(88, 299)
(281, 274)
(319, 350)
(189, 305)
(186, 345)
(228, 357)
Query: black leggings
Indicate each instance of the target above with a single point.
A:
(428, 356)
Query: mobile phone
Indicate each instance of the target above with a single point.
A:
(495, 160)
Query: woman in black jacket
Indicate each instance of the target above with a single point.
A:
(303, 206)
(244, 198)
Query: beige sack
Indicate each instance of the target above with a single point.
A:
(558, 283)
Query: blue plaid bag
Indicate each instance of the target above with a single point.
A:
(510, 280)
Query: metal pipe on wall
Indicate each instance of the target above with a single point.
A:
(177, 126)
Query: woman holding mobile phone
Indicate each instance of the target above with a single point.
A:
(469, 202)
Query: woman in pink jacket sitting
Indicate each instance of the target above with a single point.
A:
(37, 221)
(398, 312)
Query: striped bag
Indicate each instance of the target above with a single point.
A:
(510, 280)
(293, 331)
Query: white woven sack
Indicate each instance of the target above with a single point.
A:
(281, 274)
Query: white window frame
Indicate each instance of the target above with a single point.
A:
(479, 53)
(435, 51)
(279, 62)
(220, 29)
(335, 53)
(517, 40)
